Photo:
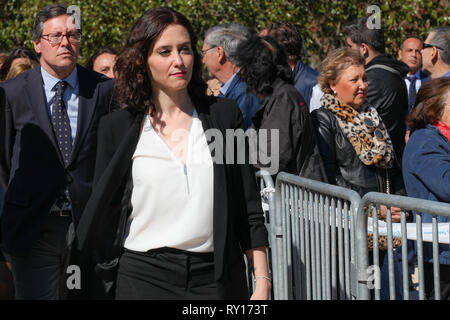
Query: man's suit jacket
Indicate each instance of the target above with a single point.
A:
(247, 101)
(305, 78)
(238, 221)
(31, 166)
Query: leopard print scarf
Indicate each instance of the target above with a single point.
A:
(365, 131)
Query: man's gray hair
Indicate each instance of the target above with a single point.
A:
(228, 36)
(48, 12)
(441, 39)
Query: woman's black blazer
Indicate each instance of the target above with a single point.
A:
(238, 221)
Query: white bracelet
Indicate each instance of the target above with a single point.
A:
(262, 277)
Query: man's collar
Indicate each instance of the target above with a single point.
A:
(50, 81)
(446, 75)
(226, 86)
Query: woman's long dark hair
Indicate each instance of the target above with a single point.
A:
(262, 61)
(90, 64)
(133, 86)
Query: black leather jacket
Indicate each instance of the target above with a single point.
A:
(285, 110)
(388, 94)
(342, 164)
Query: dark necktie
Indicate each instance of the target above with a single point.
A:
(63, 134)
(61, 123)
(412, 92)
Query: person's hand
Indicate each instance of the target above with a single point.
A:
(407, 134)
(395, 213)
(262, 289)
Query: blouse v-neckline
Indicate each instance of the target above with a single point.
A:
(169, 149)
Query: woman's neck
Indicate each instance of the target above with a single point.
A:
(173, 103)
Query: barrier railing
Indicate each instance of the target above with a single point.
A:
(318, 239)
(315, 245)
(366, 278)
(268, 203)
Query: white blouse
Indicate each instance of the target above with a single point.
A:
(172, 202)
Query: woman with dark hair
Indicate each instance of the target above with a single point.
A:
(103, 61)
(18, 55)
(265, 69)
(426, 167)
(168, 219)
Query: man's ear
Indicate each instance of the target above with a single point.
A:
(221, 55)
(364, 49)
(434, 54)
(400, 54)
(37, 46)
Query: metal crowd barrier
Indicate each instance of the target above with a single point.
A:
(367, 279)
(267, 190)
(314, 243)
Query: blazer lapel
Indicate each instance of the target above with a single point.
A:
(87, 97)
(220, 207)
(110, 180)
(38, 102)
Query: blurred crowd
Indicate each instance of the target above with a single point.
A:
(94, 172)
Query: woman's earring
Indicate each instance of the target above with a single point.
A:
(334, 92)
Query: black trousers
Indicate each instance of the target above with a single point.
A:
(40, 274)
(444, 271)
(166, 274)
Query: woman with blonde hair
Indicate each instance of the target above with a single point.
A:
(353, 141)
(20, 68)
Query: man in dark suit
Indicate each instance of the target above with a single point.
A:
(410, 54)
(48, 127)
(218, 52)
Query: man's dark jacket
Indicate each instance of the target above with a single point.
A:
(305, 78)
(31, 167)
(248, 102)
(388, 94)
(286, 111)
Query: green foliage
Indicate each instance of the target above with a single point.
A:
(107, 22)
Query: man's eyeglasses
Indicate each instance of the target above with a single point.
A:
(427, 45)
(57, 37)
(203, 52)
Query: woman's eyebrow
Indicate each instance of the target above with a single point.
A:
(168, 46)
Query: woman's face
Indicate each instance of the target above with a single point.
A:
(351, 86)
(171, 60)
(104, 63)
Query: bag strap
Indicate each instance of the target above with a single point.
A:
(381, 66)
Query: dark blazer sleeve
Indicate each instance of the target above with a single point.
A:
(251, 230)
(7, 134)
